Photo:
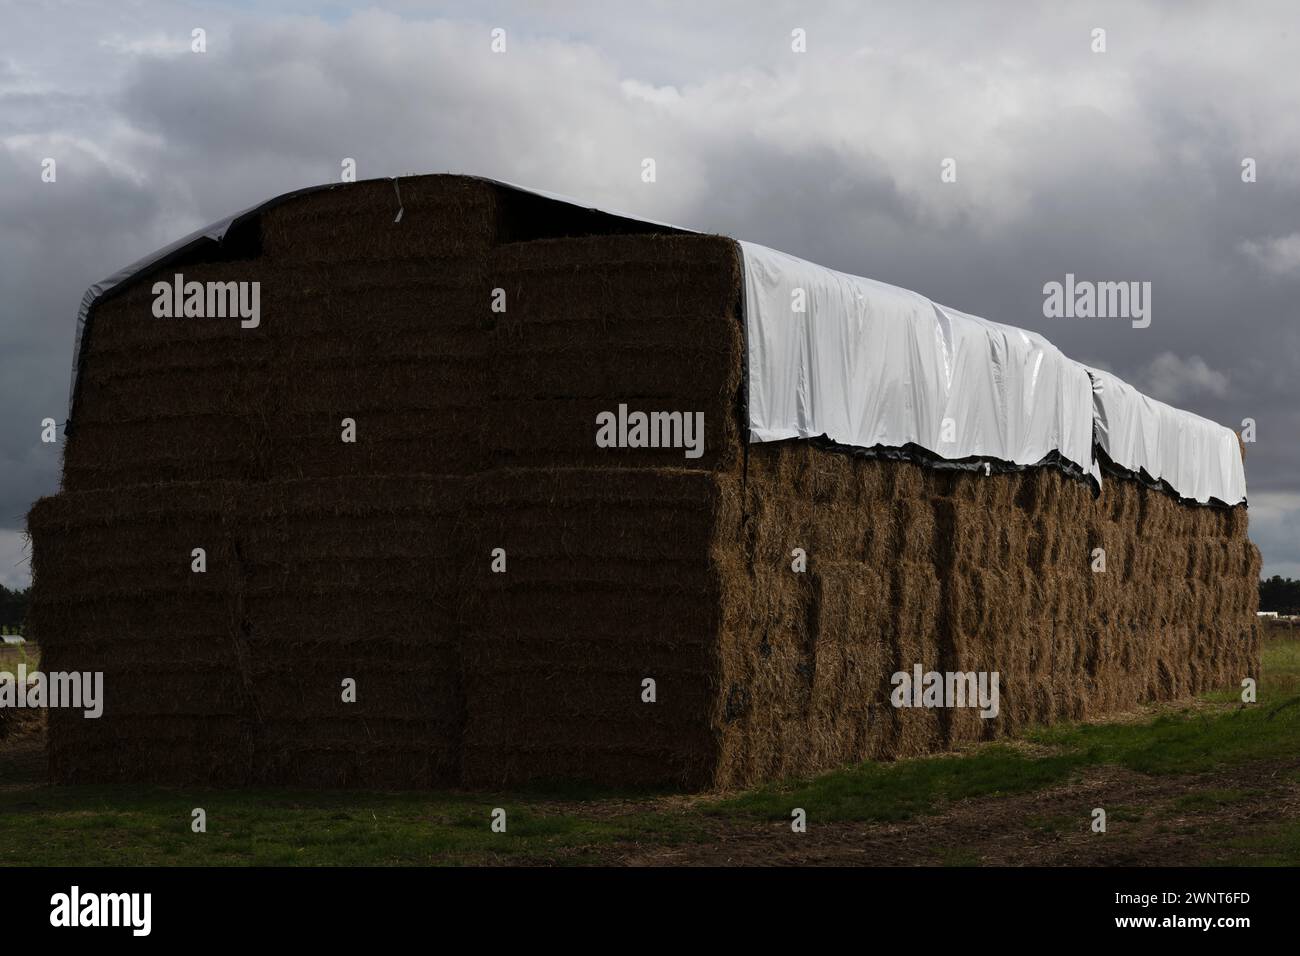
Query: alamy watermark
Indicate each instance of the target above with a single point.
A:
(1081, 299)
(208, 300)
(75, 690)
(923, 688)
(75, 908)
(624, 429)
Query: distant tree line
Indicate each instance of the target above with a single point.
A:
(1279, 594)
(13, 608)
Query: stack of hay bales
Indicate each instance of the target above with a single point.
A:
(962, 572)
(608, 583)
(625, 568)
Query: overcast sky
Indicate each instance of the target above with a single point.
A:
(1122, 165)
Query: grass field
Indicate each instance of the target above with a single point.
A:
(1207, 782)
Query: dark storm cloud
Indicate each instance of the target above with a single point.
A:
(1123, 165)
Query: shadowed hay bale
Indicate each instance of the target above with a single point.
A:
(556, 642)
(236, 644)
(436, 380)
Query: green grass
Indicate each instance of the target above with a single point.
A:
(118, 825)
(1058, 823)
(959, 856)
(903, 790)
(133, 825)
(1211, 799)
(1125, 814)
(1277, 844)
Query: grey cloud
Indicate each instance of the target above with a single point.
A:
(1278, 256)
(1173, 379)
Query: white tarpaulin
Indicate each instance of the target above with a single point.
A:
(1197, 458)
(868, 364)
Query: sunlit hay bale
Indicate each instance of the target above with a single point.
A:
(962, 529)
(1009, 541)
(849, 680)
(914, 531)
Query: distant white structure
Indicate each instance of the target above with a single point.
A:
(14, 639)
(1266, 613)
